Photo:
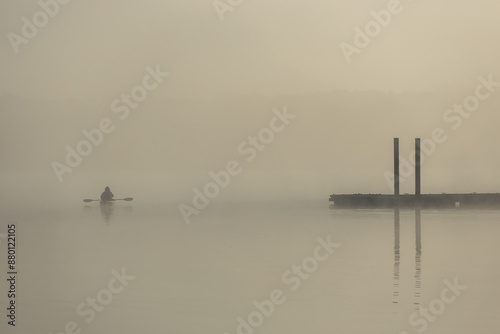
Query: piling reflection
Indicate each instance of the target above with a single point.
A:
(397, 255)
(418, 257)
(397, 258)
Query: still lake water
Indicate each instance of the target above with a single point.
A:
(200, 278)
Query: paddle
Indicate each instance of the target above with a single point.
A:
(114, 199)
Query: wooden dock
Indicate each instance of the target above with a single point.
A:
(416, 200)
(424, 201)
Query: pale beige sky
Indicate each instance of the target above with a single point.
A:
(342, 142)
(97, 49)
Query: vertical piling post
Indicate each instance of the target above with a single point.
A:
(396, 166)
(417, 166)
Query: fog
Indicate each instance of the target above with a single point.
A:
(225, 78)
(223, 127)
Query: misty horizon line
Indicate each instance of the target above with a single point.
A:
(5, 95)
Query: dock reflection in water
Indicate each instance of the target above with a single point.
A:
(397, 258)
(418, 257)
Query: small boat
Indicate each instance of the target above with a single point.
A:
(110, 202)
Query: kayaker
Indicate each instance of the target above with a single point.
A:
(107, 195)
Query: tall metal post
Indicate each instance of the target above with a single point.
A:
(396, 166)
(417, 166)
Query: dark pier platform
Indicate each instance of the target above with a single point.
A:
(417, 200)
(439, 201)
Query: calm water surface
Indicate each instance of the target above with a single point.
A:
(200, 278)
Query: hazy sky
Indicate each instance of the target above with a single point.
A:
(67, 132)
(95, 51)
(99, 48)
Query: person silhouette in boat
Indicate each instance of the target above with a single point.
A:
(107, 195)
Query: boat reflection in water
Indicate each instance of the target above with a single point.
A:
(418, 257)
(107, 209)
